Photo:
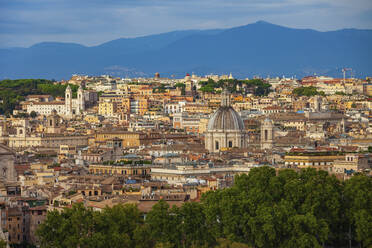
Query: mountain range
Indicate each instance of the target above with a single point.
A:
(257, 49)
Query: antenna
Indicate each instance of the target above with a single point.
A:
(344, 70)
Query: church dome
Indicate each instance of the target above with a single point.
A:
(225, 118)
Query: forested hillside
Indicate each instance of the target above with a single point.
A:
(14, 91)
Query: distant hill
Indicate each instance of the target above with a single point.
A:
(260, 49)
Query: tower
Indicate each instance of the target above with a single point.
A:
(80, 101)
(225, 98)
(68, 101)
(317, 104)
(53, 123)
(22, 128)
(267, 134)
(343, 126)
(3, 130)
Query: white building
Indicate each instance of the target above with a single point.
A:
(172, 108)
(69, 107)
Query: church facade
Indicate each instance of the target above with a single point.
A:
(225, 128)
(7, 169)
(69, 107)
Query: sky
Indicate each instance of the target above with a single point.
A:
(91, 22)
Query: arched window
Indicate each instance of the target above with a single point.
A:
(50, 122)
(217, 145)
(68, 96)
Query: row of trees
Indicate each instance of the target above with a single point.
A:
(307, 91)
(14, 91)
(258, 87)
(263, 209)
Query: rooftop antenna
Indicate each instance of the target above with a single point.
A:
(344, 70)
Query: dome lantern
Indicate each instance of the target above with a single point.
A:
(225, 101)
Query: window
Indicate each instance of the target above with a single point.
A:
(217, 145)
(230, 143)
(266, 134)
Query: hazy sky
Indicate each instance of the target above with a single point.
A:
(91, 22)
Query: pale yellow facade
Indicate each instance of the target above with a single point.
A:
(107, 108)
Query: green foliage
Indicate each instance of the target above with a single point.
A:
(56, 89)
(263, 209)
(225, 243)
(33, 114)
(286, 210)
(209, 86)
(71, 192)
(159, 89)
(340, 93)
(82, 227)
(358, 200)
(182, 86)
(14, 91)
(257, 85)
(2, 244)
(307, 91)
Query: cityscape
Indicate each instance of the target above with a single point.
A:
(101, 141)
(221, 135)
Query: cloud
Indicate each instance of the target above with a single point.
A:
(90, 22)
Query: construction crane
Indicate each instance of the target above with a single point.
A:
(344, 70)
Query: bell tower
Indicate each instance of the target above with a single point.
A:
(68, 101)
(267, 134)
(53, 123)
(80, 101)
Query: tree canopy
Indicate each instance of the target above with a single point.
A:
(256, 86)
(307, 91)
(263, 209)
(14, 91)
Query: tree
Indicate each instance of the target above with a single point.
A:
(33, 114)
(192, 225)
(182, 86)
(118, 224)
(162, 221)
(72, 227)
(266, 208)
(358, 202)
(307, 91)
(369, 148)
